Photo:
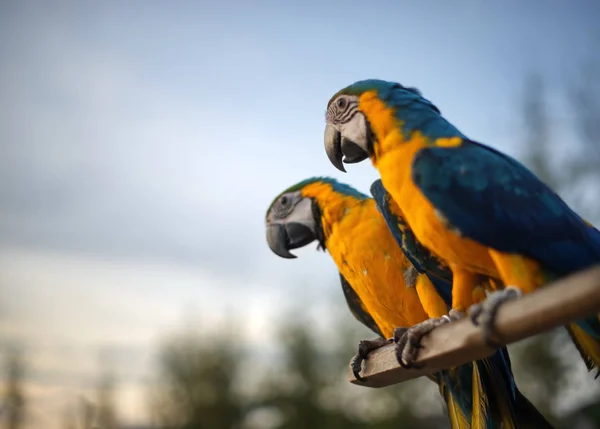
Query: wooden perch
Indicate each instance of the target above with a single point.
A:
(459, 342)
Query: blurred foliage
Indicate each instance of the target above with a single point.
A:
(81, 415)
(98, 414)
(536, 358)
(303, 385)
(13, 411)
(195, 391)
(584, 101)
(562, 139)
(544, 364)
(105, 413)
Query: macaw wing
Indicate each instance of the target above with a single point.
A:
(357, 308)
(496, 201)
(471, 383)
(418, 255)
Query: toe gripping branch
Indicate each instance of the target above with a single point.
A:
(484, 313)
(457, 343)
(365, 347)
(408, 341)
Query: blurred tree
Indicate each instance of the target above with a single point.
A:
(583, 96)
(312, 389)
(295, 393)
(80, 415)
(99, 414)
(306, 388)
(542, 367)
(539, 369)
(195, 387)
(106, 417)
(13, 408)
(537, 152)
(68, 421)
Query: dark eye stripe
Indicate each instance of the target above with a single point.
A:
(341, 116)
(333, 113)
(349, 113)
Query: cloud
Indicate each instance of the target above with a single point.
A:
(102, 157)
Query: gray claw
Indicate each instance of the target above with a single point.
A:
(408, 342)
(454, 314)
(484, 313)
(364, 348)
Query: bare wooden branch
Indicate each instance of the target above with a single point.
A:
(456, 343)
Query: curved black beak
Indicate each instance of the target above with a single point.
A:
(333, 147)
(353, 153)
(341, 150)
(283, 237)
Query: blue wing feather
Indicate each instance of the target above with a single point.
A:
(496, 201)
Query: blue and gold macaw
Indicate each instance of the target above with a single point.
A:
(384, 291)
(477, 209)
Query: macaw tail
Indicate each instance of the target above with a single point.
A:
(468, 400)
(455, 413)
(485, 392)
(585, 333)
(512, 407)
(587, 345)
(528, 416)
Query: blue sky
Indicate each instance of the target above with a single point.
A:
(143, 141)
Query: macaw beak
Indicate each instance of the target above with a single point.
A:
(333, 147)
(341, 150)
(283, 237)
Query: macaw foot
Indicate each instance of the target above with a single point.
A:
(364, 348)
(484, 313)
(408, 341)
(455, 314)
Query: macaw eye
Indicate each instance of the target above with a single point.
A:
(283, 200)
(341, 103)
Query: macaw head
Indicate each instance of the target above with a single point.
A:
(364, 113)
(295, 217)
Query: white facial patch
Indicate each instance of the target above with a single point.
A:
(303, 214)
(356, 130)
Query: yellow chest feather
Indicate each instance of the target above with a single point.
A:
(369, 259)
